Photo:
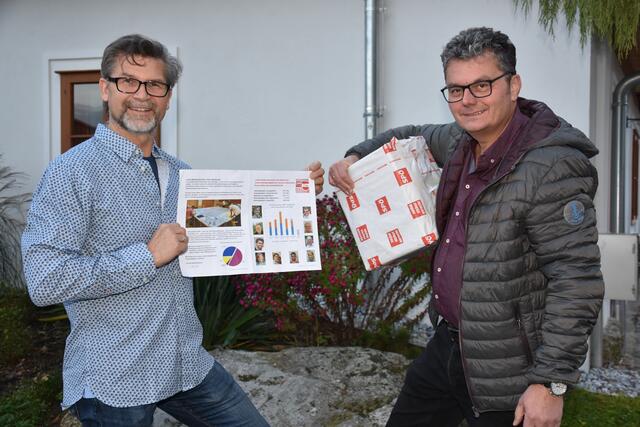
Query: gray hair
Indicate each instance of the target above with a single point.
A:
(133, 45)
(474, 42)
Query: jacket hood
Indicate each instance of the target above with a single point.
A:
(545, 128)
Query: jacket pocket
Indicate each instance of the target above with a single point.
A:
(526, 346)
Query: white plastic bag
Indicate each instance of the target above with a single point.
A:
(391, 211)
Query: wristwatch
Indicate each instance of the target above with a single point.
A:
(556, 389)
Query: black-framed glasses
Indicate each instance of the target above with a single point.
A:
(131, 85)
(479, 89)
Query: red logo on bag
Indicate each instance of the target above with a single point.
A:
(429, 239)
(374, 262)
(417, 209)
(383, 205)
(395, 238)
(402, 176)
(363, 232)
(353, 201)
(390, 146)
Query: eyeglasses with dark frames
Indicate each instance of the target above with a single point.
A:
(130, 85)
(479, 89)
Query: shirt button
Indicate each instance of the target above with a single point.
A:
(437, 297)
(457, 213)
(448, 241)
(438, 269)
(492, 160)
(145, 280)
(467, 186)
(157, 203)
(142, 169)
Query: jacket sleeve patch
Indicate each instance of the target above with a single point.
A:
(573, 212)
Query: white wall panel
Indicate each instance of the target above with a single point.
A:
(272, 84)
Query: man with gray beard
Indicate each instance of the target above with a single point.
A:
(101, 238)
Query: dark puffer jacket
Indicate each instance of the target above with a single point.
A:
(532, 286)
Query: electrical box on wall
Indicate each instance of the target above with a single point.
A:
(619, 258)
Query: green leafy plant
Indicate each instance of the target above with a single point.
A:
(15, 336)
(615, 21)
(225, 322)
(11, 223)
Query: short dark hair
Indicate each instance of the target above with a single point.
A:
(133, 45)
(476, 41)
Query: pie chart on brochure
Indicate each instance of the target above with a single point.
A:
(231, 256)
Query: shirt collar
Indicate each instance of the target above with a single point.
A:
(124, 148)
(494, 154)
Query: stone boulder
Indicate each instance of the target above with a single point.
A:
(315, 386)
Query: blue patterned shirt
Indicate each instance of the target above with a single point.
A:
(135, 337)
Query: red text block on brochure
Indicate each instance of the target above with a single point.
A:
(302, 185)
(395, 238)
(402, 176)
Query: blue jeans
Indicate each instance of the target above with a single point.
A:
(217, 401)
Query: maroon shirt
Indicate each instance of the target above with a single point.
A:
(449, 257)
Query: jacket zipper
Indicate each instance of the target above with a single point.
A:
(465, 369)
(474, 408)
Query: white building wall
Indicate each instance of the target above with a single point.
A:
(271, 84)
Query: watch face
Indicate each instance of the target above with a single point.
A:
(558, 389)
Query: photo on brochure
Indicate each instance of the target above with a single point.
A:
(213, 213)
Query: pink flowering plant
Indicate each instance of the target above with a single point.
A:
(336, 304)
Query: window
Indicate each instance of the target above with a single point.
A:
(81, 108)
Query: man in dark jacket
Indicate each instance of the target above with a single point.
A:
(516, 276)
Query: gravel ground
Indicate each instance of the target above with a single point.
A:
(612, 381)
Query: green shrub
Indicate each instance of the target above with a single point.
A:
(30, 404)
(227, 323)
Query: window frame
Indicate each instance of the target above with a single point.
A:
(67, 80)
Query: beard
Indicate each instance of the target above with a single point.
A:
(135, 125)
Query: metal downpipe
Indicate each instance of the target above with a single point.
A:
(371, 112)
(618, 167)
